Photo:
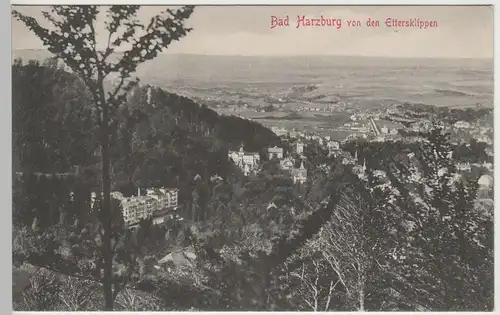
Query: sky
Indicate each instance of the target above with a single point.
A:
(461, 32)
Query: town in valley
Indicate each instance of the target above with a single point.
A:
(211, 176)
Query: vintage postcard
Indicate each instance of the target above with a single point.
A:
(252, 158)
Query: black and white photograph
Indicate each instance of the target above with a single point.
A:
(331, 158)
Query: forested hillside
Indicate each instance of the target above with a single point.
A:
(159, 138)
(404, 232)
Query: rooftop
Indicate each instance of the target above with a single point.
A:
(275, 149)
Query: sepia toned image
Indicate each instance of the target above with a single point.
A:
(252, 158)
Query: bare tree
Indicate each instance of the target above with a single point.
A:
(347, 246)
(76, 294)
(317, 283)
(72, 37)
(344, 239)
(41, 292)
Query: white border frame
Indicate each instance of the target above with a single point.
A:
(6, 126)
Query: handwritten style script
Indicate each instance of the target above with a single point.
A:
(303, 21)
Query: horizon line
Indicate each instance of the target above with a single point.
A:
(285, 56)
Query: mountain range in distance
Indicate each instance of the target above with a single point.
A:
(259, 81)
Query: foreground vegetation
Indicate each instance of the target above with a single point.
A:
(414, 239)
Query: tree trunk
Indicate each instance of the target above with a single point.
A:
(361, 296)
(330, 293)
(193, 212)
(264, 288)
(106, 210)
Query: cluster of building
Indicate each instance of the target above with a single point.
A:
(461, 131)
(462, 125)
(333, 147)
(358, 126)
(156, 204)
(371, 124)
(296, 137)
(326, 108)
(299, 175)
(359, 116)
(362, 125)
(485, 182)
(248, 162)
(421, 126)
(295, 134)
(481, 134)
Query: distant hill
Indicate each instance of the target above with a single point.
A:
(315, 81)
(411, 112)
(31, 54)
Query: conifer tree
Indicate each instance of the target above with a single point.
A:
(444, 249)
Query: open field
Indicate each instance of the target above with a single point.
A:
(317, 81)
